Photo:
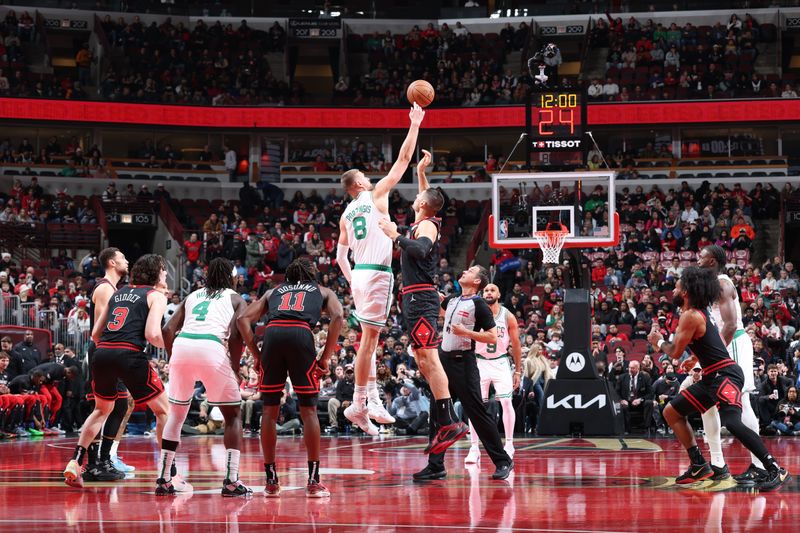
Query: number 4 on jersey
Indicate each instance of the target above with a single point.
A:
(201, 310)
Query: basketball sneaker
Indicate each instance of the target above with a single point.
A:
(473, 456)
(232, 489)
(72, 474)
(120, 465)
(695, 473)
(773, 480)
(509, 448)
(164, 487)
(315, 489)
(446, 437)
(360, 417)
(102, 471)
(720, 473)
(181, 485)
(379, 414)
(751, 476)
(272, 490)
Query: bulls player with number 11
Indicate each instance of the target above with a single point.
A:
(721, 384)
(371, 280)
(293, 309)
(132, 319)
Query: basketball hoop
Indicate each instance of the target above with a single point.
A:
(550, 241)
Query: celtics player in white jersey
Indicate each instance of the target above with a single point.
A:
(371, 279)
(207, 349)
(495, 369)
(727, 315)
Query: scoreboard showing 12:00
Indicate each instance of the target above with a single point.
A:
(556, 121)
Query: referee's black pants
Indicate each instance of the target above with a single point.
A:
(465, 384)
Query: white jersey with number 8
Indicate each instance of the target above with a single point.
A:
(369, 243)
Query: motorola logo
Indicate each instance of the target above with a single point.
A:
(575, 362)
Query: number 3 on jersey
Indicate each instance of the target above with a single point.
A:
(360, 227)
(120, 314)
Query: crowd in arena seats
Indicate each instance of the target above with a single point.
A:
(464, 68)
(655, 61)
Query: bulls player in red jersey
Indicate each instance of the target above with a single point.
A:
(292, 308)
(132, 319)
(721, 384)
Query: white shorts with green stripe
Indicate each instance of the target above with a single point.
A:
(202, 358)
(741, 351)
(372, 287)
(496, 372)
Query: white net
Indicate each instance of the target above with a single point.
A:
(550, 242)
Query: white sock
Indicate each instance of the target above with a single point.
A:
(509, 418)
(114, 448)
(711, 426)
(232, 465)
(372, 391)
(165, 463)
(750, 420)
(473, 437)
(360, 396)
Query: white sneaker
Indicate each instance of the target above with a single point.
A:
(360, 417)
(181, 485)
(379, 414)
(509, 448)
(473, 456)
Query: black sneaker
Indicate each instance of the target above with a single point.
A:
(231, 489)
(503, 470)
(695, 473)
(720, 473)
(446, 437)
(103, 471)
(164, 487)
(751, 476)
(773, 480)
(429, 474)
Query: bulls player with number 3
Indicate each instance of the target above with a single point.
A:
(132, 319)
(371, 279)
(722, 381)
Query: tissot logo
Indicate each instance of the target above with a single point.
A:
(574, 143)
(575, 401)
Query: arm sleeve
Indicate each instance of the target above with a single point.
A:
(446, 301)
(343, 261)
(483, 316)
(416, 248)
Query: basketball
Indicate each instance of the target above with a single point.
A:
(421, 92)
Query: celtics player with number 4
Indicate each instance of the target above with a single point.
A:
(207, 349)
(495, 369)
(371, 279)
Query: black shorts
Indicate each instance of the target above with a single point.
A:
(722, 387)
(110, 365)
(122, 390)
(421, 306)
(288, 349)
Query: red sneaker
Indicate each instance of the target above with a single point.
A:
(272, 490)
(315, 489)
(446, 437)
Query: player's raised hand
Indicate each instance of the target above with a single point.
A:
(654, 336)
(424, 162)
(416, 114)
(388, 227)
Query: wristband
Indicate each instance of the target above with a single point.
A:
(661, 343)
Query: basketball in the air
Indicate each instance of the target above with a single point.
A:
(421, 92)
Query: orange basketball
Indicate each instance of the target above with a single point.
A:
(421, 92)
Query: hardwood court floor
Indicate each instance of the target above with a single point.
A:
(558, 485)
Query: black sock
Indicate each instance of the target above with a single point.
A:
(173, 470)
(313, 471)
(696, 456)
(272, 472)
(105, 449)
(444, 408)
(93, 452)
(80, 452)
(770, 463)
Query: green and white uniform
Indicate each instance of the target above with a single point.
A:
(494, 363)
(200, 351)
(741, 347)
(372, 280)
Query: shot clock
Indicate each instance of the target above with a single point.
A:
(555, 121)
